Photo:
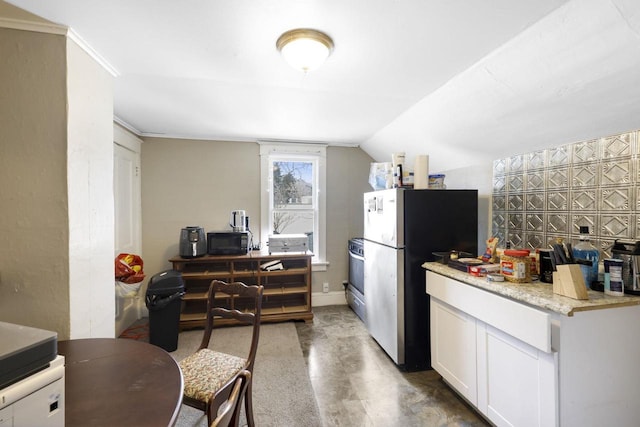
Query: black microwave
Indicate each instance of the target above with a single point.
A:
(227, 243)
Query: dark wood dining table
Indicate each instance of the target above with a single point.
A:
(120, 382)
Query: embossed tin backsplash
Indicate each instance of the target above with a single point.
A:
(551, 193)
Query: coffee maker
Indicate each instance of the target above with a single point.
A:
(193, 242)
(629, 252)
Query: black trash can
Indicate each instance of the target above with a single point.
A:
(164, 300)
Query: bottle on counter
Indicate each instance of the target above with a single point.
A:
(585, 250)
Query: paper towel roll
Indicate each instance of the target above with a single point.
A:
(421, 172)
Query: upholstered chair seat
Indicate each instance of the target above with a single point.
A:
(206, 371)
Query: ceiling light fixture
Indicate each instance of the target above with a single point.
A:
(304, 48)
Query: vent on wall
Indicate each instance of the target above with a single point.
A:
(550, 193)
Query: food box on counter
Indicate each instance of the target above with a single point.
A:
(483, 270)
(474, 266)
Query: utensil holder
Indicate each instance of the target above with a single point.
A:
(569, 282)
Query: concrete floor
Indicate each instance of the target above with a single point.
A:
(356, 384)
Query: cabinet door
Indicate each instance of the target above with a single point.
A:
(453, 348)
(516, 382)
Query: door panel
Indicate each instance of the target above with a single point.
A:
(383, 218)
(383, 281)
(128, 233)
(453, 348)
(515, 380)
(126, 189)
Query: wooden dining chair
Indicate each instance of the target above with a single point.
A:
(209, 374)
(229, 409)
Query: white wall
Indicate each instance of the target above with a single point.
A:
(476, 177)
(90, 192)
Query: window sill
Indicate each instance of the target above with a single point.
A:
(319, 265)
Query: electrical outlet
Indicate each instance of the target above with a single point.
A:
(325, 287)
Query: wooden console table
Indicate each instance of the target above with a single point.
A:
(119, 382)
(287, 292)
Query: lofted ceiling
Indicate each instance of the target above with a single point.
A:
(464, 80)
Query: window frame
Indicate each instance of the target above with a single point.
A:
(316, 153)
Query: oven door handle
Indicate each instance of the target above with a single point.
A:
(358, 257)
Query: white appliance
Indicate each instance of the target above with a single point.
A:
(384, 270)
(31, 378)
(288, 243)
(36, 401)
(402, 229)
(239, 221)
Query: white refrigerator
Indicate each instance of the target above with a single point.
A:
(402, 229)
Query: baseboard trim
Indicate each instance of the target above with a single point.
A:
(319, 299)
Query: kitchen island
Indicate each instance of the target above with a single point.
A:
(524, 356)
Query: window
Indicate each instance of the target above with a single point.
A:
(293, 194)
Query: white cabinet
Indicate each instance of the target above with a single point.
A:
(453, 348)
(516, 382)
(531, 364)
(510, 379)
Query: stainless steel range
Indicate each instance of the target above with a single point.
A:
(355, 288)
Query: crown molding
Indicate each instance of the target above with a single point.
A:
(124, 138)
(195, 138)
(238, 139)
(310, 142)
(127, 126)
(71, 34)
(37, 27)
(60, 30)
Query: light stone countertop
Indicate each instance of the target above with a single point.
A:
(536, 294)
